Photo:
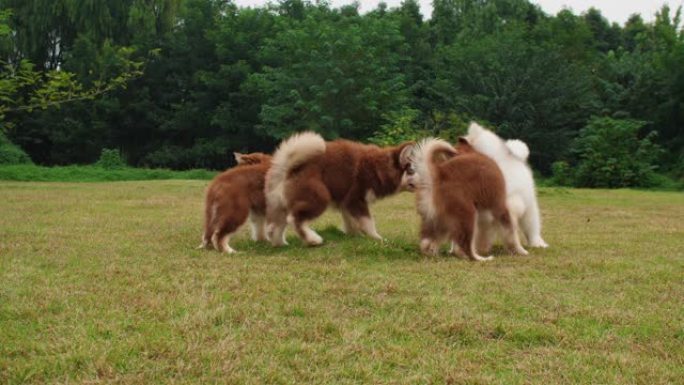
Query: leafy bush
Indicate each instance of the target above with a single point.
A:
(11, 153)
(110, 159)
(611, 154)
(561, 173)
(402, 128)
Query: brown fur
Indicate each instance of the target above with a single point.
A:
(231, 197)
(346, 175)
(465, 184)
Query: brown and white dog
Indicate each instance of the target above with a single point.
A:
(309, 174)
(233, 196)
(453, 187)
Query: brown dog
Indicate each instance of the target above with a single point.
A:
(347, 174)
(233, 196)
(454, 187)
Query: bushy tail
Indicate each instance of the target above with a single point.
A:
(291, 153)
(427, 154)
(518, 148)
(430, 152)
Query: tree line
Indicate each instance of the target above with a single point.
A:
(215, 78)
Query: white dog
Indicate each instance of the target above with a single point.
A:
(511, 157)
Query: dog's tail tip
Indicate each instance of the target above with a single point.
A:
(518, 148)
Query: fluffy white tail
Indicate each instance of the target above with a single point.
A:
(291, 153)
(426, 155)
(518, 148)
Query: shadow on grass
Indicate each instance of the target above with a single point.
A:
(336, 244)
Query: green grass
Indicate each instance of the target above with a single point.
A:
(33, 173)
(100, 283)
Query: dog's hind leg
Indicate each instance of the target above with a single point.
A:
(351, 226)
(463, 232)
(313, 202)
(530, 223)
(206, 236)
(509, 227)
(276, 233)
(276, 219)
(221, 243)
(429, 246)
(210, 211)
(227, 226)
(485, 231)
(206, 241)
(257, 224)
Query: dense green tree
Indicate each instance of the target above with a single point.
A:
(615, 153)
(219, 78)
(338, 76)
(528, 90)
(606, 36)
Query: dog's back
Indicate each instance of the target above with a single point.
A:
(349, 170)
(472, 176)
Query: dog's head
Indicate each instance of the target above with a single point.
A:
(251, 158)
(405, 159)
(413, 160)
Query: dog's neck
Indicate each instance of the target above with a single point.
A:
(382, 170)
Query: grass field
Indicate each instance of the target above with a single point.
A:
(100, 283)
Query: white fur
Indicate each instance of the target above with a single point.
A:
(429, 246)
(258, 226)
(367, 226)
(351, 225)
(518, 148)
(222, 244)
(421, 161)
(370, 196)
(310, 236)
(291, 153)
(511, 158)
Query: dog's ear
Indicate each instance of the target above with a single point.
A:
(463, 145)
(405, 155)
(239, 158)
(251, 158)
